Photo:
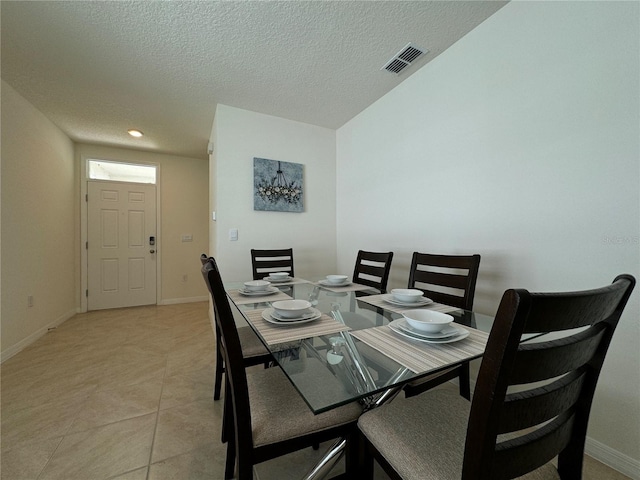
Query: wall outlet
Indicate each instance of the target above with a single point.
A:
(29, 300)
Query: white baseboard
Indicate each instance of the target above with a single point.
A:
(616, 460)
(21, 345)
(174, 301)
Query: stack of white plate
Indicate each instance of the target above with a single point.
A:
(258, 293)
(271, 316)
(418, 302)
(278, 278)
(335, 281)
(451, 333)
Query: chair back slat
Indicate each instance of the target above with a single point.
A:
(516, 457)
(525, 410)
(264, 262)
(448, 279)
(443, 279)
(460, 262)
(513, 432)
(372, 269)
(540, 361)
(550, 312)
(445, 298)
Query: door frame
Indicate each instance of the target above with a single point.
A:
(84, 226)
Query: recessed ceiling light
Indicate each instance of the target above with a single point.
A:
(135, 133)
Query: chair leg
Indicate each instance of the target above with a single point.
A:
(229, 469)
(218, 375)
(227, 421)
(465, 381)
(230, 463)
(245, 472)
(362, 456)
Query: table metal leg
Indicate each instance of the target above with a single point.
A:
(328, 461)
(337, 450)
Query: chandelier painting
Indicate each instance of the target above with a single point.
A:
(278, 186)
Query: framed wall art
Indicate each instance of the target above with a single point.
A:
(277, 186)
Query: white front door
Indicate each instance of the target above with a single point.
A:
(121, 257)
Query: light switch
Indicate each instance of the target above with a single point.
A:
(213, 216)
(187, 237)
(233, 234)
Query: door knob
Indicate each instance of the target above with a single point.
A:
(152, 251)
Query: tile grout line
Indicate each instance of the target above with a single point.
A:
(64, 435)
(155, 428)
(49, 459)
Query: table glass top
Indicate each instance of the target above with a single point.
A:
(334, 368)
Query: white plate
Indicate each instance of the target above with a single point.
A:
(312, 313)
(270, 316)
(278, 280)
(387, 297)
(450, 331)
(254, 293)
(326, 283)
(463, 334)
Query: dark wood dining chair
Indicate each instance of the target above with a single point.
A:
(253, 350)
(531, 402)
(372, 269)
(448, 279)
(269, 416)
(264, 262)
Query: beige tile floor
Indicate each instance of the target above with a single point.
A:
(126, 394)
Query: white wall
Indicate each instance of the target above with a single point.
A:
(38, 224)
(239, 136)
(519, 143)
(184, 189)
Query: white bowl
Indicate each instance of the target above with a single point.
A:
(427, 320)
(256, 285)
(336, 279)
(406, 295)
(291, 308)
(279, 275)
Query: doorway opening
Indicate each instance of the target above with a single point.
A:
(120, 231)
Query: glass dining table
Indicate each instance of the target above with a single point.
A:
(353, 350)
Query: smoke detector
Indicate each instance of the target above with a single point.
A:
(403, 58)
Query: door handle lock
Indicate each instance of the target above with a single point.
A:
(152, 251)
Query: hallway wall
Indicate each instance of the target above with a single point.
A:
(39, 224)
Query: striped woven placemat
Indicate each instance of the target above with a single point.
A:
(377, 301)
(240, 299)
(274, 334)
(421, 357)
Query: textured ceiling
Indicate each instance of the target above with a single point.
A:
(97, 68)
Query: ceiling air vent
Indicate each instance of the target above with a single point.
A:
(403, 59)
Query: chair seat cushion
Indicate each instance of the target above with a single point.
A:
(278, 412)
(252, 346)
(423, 437)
